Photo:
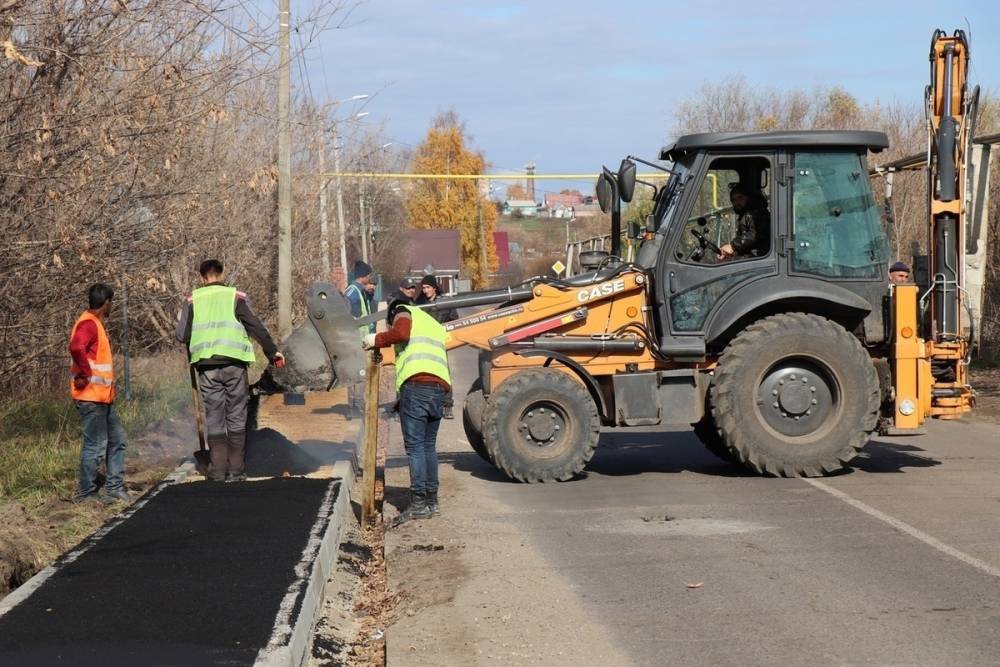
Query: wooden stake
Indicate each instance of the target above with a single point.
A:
(369, 458)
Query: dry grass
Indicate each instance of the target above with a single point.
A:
(40, 437)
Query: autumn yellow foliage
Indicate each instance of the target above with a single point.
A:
(461, 204)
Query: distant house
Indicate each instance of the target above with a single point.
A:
(564, 200)
(525, 207)
(437, 252)
(570, 205)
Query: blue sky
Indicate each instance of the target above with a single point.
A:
(571, 85)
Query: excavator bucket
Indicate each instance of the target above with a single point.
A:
(325, 350)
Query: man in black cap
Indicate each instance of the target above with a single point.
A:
(359, 294)
(753, 224)
(409, 287)
(899, 273)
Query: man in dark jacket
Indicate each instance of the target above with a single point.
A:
(217, 324)
(431, 291)
(753, 225)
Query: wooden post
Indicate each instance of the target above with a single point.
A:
(371, 438)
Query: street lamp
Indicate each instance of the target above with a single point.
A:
(323, 229)
(366, 229)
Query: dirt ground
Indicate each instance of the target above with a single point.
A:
(471, 588)
(986, 382)
(32, 536)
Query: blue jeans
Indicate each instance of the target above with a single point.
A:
(420, 410)
(103, 438)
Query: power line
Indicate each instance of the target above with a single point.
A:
(479, 177)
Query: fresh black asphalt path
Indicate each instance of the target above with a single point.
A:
(194, 577)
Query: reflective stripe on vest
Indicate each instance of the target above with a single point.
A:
(215, 331)
(101, 381)
(425, 352)
(365, 310)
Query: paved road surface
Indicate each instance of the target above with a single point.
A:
(896, 561)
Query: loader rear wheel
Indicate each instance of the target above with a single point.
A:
(795, 395)
(541, 425)
(472, 419)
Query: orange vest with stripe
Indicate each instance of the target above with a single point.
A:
(101, 381)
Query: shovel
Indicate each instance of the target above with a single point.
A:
(201, 457)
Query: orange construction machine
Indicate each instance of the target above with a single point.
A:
(768, 325)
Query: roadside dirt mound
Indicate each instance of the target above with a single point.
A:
(20, 555)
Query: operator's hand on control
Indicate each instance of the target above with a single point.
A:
(279, 360)
(727, 252)
(80, 382)
(368, 342)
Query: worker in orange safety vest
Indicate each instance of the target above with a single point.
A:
(92, 387)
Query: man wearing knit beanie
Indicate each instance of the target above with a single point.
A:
(359, 293)
(430, 293)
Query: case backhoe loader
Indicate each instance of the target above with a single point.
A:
(785, 358)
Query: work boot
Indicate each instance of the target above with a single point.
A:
(237, 456)
(417, 509)
(109, 497)
(218, 450)
(89, 499)
(432, 503)
(448, 412)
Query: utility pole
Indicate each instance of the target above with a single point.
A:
(361, 215)
(324, 230)
(284, 176)
(483, 255)
(340, 206)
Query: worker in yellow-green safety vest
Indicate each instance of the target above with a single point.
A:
(359, 294)
(422, 382)
(217, 324)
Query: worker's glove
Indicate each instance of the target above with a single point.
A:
(279, 360)
(80, 381)
(368, 342)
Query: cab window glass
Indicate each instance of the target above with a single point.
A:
(836, 227)
(731, 213)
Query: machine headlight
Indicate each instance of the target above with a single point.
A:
(907, 407)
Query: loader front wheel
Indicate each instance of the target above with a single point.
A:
(541, 425)
(472, 419)
(795, 395)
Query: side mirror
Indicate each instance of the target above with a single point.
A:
(626, 180)
(634, 231)
(605, 191)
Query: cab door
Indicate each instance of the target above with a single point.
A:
(695, 279)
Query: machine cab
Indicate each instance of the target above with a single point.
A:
(767, 220)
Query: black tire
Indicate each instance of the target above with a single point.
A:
(472, 419)
(795, 395)
(708, 433)
(541, 425)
